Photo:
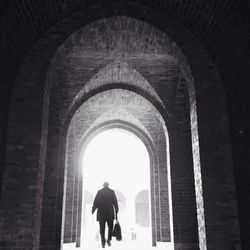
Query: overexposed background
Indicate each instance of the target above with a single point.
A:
(121, 158)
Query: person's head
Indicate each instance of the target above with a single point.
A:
(105, 184)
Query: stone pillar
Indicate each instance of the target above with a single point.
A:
(183, 188)
(22, 186)
(212, 156)
(79, 213)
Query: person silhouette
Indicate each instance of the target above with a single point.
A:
(105, 202)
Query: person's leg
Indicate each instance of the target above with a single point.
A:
(110, 226)
(102, 232)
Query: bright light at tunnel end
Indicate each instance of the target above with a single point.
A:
(119, 157)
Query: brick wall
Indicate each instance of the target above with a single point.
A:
(184, 204)
(202, 78)
(222, 26)
(140, 113)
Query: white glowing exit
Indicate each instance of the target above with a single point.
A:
(119, 157)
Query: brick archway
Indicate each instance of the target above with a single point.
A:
(120, 118)
(34, 96)
(152, 156)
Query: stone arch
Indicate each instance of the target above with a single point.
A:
(149, 145)
(147, 141)
(123, 124)
(142, 208)
(163, 48)
(160, 222)
(120, 73)
(36, 98)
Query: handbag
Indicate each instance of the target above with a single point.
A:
(117, 232)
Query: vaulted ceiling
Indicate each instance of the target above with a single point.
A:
(213, 21)
(222, 26)
(217, 23)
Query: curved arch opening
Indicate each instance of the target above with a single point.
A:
(47, 158)
(82, 132)
(120, 157)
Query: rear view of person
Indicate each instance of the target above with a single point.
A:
(105, 202)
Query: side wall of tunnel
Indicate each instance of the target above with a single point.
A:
(159, 183)
(25, 164)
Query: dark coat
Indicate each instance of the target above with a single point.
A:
(105, 202)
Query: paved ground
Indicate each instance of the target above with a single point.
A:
(119, 246)
(91, 241)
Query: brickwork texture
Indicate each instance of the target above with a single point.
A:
(174, 72)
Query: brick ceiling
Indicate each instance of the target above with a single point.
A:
(116, 105)
(213, 21)
(221, 25)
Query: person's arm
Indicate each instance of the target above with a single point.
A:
(115, 203)
(95, 203)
